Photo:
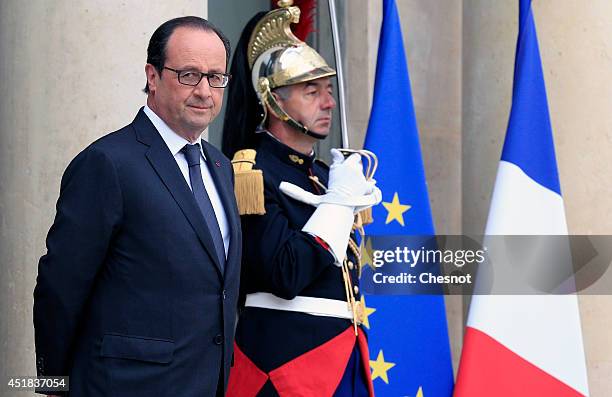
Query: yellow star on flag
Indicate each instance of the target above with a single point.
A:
(366, 258)
(380, 367)
(420, 392)
(395, 210)
(367, 311)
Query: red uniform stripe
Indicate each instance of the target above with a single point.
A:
(365, 361)
(315, 373)
(322, 243)
(246, 379)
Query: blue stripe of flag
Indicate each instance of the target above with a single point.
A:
(529, 140)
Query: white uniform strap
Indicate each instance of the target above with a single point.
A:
(302, 304)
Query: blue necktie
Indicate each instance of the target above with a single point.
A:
(192, 154)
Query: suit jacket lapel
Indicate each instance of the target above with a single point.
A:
(222, 176)
(164, 164)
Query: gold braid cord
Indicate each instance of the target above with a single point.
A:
(354, 305)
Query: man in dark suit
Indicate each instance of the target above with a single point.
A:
(137, 293)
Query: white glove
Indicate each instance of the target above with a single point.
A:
(347, 189)
(358, 203)
(347, 186)
(346, 175)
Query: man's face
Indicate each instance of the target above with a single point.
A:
(186, 109)
(311, 104)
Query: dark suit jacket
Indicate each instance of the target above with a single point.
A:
(130, 298)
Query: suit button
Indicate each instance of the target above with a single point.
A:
(40, 366)
(218, 340)
(224, 294)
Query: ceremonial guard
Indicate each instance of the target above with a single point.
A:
(299, 332)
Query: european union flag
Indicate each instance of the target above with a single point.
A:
(408, 336)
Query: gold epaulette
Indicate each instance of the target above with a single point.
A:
(249, 186)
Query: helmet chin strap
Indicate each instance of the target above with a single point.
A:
(270, 102)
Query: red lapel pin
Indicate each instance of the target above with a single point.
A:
(218, 163)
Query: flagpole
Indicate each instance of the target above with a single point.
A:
(339, 73)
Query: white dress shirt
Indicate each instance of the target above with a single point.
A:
(175, 143)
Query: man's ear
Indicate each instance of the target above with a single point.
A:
(277, 97)
(152, 77)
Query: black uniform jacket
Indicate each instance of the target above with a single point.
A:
(281, 259)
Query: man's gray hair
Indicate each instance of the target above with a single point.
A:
(283, 92)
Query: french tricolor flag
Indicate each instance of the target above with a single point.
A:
(525, 345)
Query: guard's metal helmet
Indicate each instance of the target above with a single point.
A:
(277, 58)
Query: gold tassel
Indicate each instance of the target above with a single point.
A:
(366, 216)
(249, 186)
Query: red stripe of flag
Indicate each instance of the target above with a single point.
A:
(488, 368)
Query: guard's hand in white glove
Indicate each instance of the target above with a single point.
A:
(347, 191)
(346, 177)
(347, 185)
